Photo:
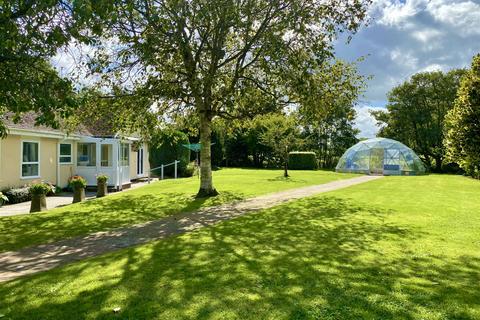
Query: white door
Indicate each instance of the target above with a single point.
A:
(140, 162)
(124, 163)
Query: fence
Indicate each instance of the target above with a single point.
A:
(162, 167)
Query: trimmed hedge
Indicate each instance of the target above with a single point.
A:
(166, 147)
(302, 160)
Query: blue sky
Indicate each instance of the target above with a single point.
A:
(405, 37)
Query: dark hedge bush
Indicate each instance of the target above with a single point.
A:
(166, 147)
(302, 161)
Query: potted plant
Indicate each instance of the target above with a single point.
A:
(78, 185)
(3, 199)
(39, 192)
(102, 190)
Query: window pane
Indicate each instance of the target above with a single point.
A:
(65, 149)
(106, 155)
(86, 155)
(65, 159)
(30, 152)
(29, 170)
(124, 154)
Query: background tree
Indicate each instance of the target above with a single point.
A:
(463, 123)
(220, 58)
(330, 138)
(416, 113)
(330, 133)
(281, 134)
(32, 32)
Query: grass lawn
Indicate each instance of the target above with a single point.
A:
(148, 203)
(394, 248)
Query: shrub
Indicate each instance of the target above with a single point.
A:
(3, 198)
(302, 161)
(191, 170)
(166, 146)
(18, 195)
(58, 190)
(77, 182)
(40, 188)
(102, 178)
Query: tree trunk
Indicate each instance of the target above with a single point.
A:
(285, 169)
(438, 164)
(206, 182)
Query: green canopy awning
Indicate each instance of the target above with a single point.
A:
(195, 147)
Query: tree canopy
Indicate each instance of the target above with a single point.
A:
(221, 58)
(31, 33)
(416, 113)
(462, 138)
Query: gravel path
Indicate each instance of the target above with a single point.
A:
(44, 257)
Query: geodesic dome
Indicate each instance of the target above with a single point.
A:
(381, 156)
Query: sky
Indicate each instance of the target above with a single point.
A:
(406, 37)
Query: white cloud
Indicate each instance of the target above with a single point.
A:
(396, 13)
(405, 59)
(462, 15)
(365, 122)
(410, 36)
(426, 35)
(434, 67)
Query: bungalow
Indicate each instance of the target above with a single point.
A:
(31, 152)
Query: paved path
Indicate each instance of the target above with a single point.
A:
(44, 257)
(54, 202)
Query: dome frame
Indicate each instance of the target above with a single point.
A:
(381, 156)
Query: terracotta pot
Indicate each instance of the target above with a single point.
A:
(39, 203)
(78, 194)
(102, 190)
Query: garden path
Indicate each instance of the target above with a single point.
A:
(44, 257)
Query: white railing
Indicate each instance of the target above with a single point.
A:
(162, 167)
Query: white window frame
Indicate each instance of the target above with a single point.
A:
(111, 155)
(120, 154)
(64, 156)
(37, 162)
(96, 155)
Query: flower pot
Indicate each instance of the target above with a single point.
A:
(39, 203)
(102, 190)
(78, 194)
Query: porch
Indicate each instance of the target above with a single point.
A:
(109, 156)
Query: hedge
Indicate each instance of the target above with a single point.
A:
(166, 147)
(302, 160)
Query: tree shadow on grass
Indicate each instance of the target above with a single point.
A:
(318, 258)
(287, 179)
(100, 215)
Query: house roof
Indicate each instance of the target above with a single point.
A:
(27, 122)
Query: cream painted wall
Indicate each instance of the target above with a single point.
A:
(10, 161)
(133, 163)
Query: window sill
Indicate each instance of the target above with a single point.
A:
(32, 177)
